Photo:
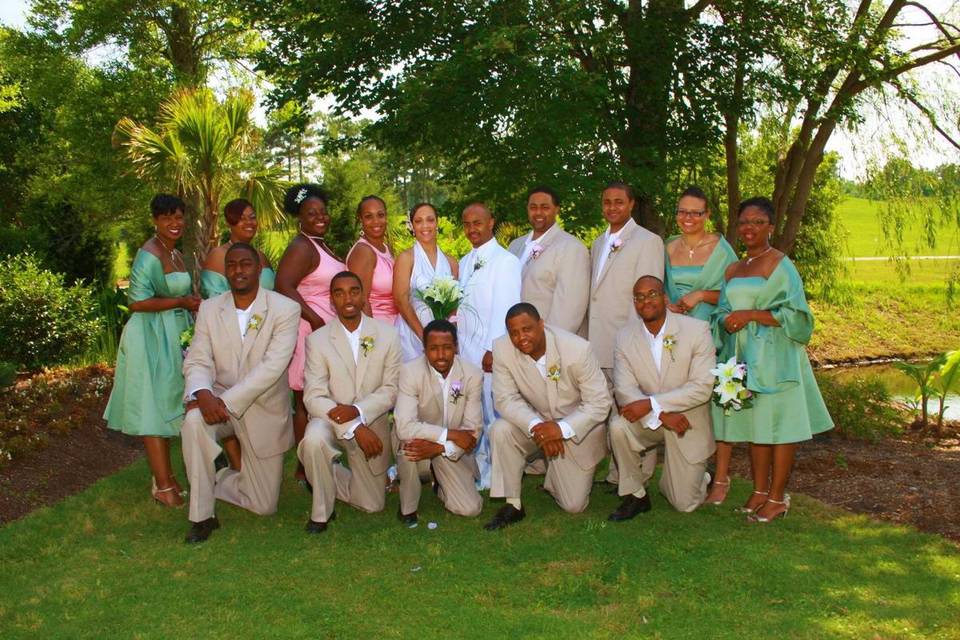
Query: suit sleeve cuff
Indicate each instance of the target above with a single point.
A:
(652, 420)
(566, 430)
(192, 395)
(532, 424)
(451, 450)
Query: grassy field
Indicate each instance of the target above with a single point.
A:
(861, 219)
(107, 563)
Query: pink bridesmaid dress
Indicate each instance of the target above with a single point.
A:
(315, 291)
(380, 295)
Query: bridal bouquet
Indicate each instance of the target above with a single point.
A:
(731, 391)
(442, 297)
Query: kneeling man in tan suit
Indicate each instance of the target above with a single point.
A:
(439, 418)
(662, 379)
(552, 397)
(350, 383)
(236, 382)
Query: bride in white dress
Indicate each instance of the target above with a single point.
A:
(415, 269)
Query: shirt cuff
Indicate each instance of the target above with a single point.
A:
(532, 424)
(566, 430)
(352, 426)
(193, 393)
(443, 437)
(451, 450)
(652, 420)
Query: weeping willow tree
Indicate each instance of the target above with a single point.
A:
(207, 151)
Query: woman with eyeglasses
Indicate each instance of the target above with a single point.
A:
(696, 259)
(762, 318)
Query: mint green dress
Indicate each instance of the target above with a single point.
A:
(787, 405)
(213, 284)
(679, 281)
(147, 395)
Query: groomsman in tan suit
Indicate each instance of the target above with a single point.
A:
(663, 384)
(350, 383)
(555, 266)
(236, 384)
(620, 255)
(552, 397)
(439, 418)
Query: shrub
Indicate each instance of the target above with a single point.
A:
(861, 407)
(42, 321)
(8, 374)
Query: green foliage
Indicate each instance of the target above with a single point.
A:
(861, 407)
(948, 377)
(43, 321)
(113, 314)
(924, 376)
(8, 374)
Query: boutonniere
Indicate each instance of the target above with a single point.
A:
(456, 391)
(536, 249)
(186, 337)
(615, 245)
(480, 263)
(366, 345)
(553, 373)
(255, 322)
(669, 342)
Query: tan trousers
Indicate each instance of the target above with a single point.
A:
(256, 487)
(649, 457)
(358, 486)
(457, 480)
(683, 484)
(565, 480)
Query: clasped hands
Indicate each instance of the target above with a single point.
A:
(686, 303)
(549, 437)
(212, 408)
(676, 422)
(368, 441)
(419, 449)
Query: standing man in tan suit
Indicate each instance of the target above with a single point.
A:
(555, 266)
(352, 369)
(439, 419)
(663, 384)
(551, 394)
(620, 255)
(236, 385)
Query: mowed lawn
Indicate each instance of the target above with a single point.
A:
(109, 564)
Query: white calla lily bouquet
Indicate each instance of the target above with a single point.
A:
(731, 391)
(442, 297)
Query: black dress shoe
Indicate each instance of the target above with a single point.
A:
(200, 531)
(507, 515)
(630, 507)
(407, 519)
(320, 527)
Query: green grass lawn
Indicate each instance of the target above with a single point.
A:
(108, 563)
(861, 220)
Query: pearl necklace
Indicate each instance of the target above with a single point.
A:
(749, 259)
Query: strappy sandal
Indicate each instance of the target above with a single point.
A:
(156, 493)
(756, 517)
(746, 509)
(717, 502)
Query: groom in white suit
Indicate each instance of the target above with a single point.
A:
(236, 384)
(490, 277)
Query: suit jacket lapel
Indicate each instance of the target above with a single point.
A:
(668, 357)
(259, 309)
(643, 347)
(368, 328)
(431, 399)
(339, 340)
(625, 234)
(454, 410)
(228, 316)
(553, 360)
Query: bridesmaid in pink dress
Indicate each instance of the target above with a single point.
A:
(303, 275)
(370, 258)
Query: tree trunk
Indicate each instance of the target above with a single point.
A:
(181, 33)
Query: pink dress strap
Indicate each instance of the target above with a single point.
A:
(380, 295)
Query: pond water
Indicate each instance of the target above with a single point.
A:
(898, 384)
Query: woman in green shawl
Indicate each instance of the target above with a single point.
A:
(242, 221)
(762, 320)
(696, 260)
(147, 395)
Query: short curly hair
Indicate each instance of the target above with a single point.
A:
(300, 193)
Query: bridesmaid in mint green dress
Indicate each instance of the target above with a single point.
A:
(696, 260)
(242, 221)
(763, 319)
(147, 395)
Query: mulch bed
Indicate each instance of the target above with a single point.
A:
(64, 446)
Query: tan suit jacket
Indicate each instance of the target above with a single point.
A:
(683, 383)
(557, 282)
(332, 377)
(249, 374)
(419, 410)
(579, 397)
(611, 290)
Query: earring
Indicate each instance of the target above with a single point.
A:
(362, 234)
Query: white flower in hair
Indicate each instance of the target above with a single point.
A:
(301, 196)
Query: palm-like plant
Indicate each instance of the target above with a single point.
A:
(207, 151)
